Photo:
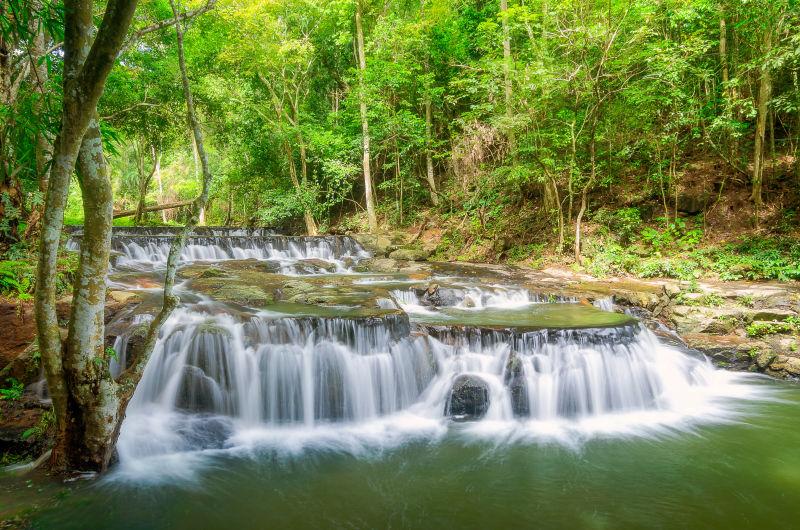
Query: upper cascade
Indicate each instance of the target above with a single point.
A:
(146, 248)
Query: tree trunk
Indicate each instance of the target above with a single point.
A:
(85, 72)
(362, 105)
(764, 94)
(92, 402)
(44, 140)
(429, 151)
(723, 60)
(157, 172)
(143, 181)
(154, 208)
(584, 198)
(512, 141)
(308, 216)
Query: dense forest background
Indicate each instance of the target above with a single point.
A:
(652, 137)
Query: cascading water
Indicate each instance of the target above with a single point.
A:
(150, 249)
(225, 378)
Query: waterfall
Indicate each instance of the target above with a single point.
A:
(273, 373)
(142, 249)
(434, 354)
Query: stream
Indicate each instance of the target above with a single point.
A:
(298, 386)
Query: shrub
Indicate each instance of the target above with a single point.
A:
(14, 390)
(16, 279)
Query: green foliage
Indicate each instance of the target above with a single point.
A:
(677, 233)
(532, 251)
(46, 421)
(758, 258)
(761, 329)
(707, 300)
(16, 279)
(14, 390)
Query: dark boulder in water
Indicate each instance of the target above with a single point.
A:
(198, 392)
(468, 400)
(515, 381)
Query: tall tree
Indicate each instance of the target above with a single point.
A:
(362, 106)
(84, 398)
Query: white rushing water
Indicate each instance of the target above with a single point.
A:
(216, 382)
(222, 380)
(291, 254)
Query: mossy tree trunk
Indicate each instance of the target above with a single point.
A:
(80, 387)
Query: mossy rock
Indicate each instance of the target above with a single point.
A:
(410, 254)
(213, 272)
(232, 290)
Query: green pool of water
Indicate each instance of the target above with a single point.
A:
(734, 475)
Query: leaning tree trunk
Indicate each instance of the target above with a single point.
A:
(584, 199)
(85, 72)
(362, 105)
(130, 378)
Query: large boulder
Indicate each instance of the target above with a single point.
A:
(315, 266)
(377, 244)
(468, 399)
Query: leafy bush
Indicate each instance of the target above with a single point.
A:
(613, 259)
(677, 233)
(523, 252)
(626, 222)
(16, 279)
(758, 258)
(679, 268)
(14, 390)
(761, 329)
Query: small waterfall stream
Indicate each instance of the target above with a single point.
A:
(427, 361)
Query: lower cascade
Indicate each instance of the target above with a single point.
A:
(214, 374)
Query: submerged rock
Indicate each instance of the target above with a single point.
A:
(468, 400)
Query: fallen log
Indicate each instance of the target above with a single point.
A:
(155, 208)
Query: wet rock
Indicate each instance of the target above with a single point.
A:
(123, 297)
(790, 366)
(315, 265)
(515, 381)
(764, 359)
(728, 351)
(378, 265)
(468, 399)
(197, 392)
